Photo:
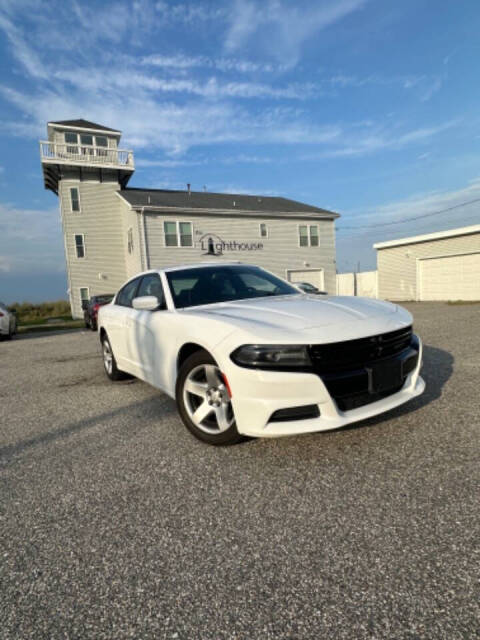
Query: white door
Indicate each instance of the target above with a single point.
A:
(312, 276)
(450, 278)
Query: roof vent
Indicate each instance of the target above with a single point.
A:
(188, 188)
(234, 203)
(149, 200)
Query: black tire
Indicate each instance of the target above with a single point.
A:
(113, 372)
(227, 437)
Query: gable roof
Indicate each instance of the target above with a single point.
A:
(84, 124)
(439, 235)
(204, 200)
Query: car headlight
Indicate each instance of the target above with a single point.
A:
(272, 356)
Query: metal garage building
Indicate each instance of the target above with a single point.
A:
(435, 266)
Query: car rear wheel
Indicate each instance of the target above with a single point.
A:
(109, 362)
(204, 401)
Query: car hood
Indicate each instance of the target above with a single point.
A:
(308, 317)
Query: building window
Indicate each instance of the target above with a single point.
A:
(263, 230)
(80, 245)
(84, 294)
(130, 240)
(314, 235)
(71, 138)
(178, 234)
(74, 199)
(308, 235)
(303, 235)
(101, 142)
(87, 139)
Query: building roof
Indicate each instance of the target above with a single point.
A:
(84, 124)
(206, 201)
(439, 235)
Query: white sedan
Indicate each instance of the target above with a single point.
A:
(8, 322)
(245, 353)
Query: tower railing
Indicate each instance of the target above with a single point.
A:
(85, 154)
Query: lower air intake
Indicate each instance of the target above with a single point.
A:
(305, 412)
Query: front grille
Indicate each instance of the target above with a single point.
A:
(355, 354)
(358, 372)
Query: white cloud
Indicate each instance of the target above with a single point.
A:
(182, 61)
(283, 27)
(435, 209)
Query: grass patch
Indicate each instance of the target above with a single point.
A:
(37, 328)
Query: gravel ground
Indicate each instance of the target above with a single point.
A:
(116, 523)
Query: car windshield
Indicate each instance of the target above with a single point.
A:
(209, 285)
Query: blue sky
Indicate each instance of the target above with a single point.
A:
(366, 107)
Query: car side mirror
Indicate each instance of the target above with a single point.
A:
(146, 303)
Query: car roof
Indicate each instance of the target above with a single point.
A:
(201, 265)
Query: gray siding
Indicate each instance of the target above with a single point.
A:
(101, 223)
(281, 250)
(397, 266)
(134, 260)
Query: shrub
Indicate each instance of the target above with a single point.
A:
(30, 313)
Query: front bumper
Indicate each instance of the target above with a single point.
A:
(257, 394)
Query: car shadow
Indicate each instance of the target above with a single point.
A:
(436, 371)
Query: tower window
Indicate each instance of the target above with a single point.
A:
(74, 199)
(130, 240)
(86, 138)
(84, 294)
(71, 139)
(80, 245)
(178, 234)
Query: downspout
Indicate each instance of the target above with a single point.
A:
(143, 227)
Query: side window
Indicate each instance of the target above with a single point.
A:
(80, 245)
(74, 199)
(151, 285)
(263, 230)
(130, 240)
(303, 235)
(128, 293)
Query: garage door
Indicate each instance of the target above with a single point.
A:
(313, 276)
(450, 278)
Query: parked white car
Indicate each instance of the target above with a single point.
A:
(245, 353)
(8, 322)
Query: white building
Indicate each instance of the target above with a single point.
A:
(435, 266)
(112, 232)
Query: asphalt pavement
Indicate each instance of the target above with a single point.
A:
(116, 523)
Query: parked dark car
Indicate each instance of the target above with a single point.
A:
(91, 307)
(306, 287)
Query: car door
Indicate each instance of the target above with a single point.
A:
(120, 319)
(146, 333)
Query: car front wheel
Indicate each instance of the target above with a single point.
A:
(204, 401)
(109, 362)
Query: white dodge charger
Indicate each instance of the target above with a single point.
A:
(244, 352)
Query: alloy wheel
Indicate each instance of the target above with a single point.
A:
(207, 400)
